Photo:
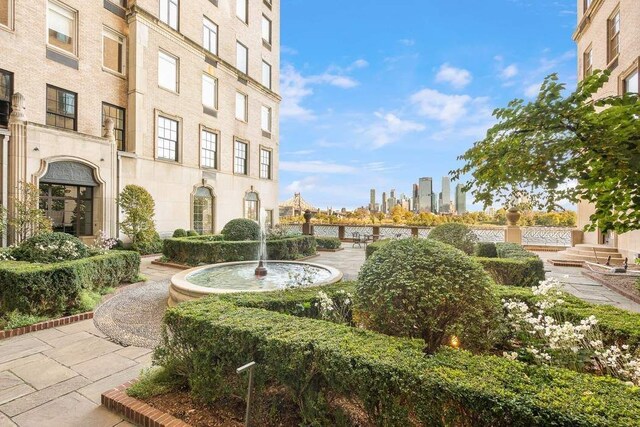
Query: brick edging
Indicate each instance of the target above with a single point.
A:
(136, 411)
(47, 324)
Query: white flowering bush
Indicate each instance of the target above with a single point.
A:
(547, 339)
(300, 278)
(50, 248)
(336, 308)
(103, 242)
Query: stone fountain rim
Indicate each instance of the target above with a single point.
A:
(182, 290)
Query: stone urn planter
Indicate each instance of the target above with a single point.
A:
(307, 216)
(513, 216)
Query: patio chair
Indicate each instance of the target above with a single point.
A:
(359, 239)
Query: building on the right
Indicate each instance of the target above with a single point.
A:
(425, 192)
(608, 38)
(445, 198)
(461, 200)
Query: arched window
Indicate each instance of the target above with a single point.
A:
(251, 206)
(203, 211)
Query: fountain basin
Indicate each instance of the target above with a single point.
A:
(236, 277)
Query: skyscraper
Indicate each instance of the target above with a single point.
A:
(461, 200)
(445, 202)
(372, 200)
(434, 203)
(392, 202)
(425, 191)
(384, 203)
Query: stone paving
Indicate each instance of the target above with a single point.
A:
(55, 377)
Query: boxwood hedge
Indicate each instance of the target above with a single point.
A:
(390, 378)
(213, 249)
(330, 243)
(53, 289)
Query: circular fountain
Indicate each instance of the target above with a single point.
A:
(249, 276)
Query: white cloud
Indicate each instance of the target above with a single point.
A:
(532, 91)
(407, 42)
(358, 63)
(316, 166)
(509, 72)
(456, 77)
(307, 183)
(388, 128)
(337, 80)
(439, 106)
(286, 50)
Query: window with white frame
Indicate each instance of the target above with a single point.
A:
(631, 83)
(265, 163)
(266, 29)
(240, 156)
(241, 106)
(242, 10)
(210, 36)
(587, 63)
(242, 57)
(169, 10)
(266, 74)
(167, 139)
(167, 71)
(6, 13)
(62, 24)
(113, 51)
(209, 149)
(266, 119)
(613, 36)
(209, 92)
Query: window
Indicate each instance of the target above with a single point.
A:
(167, 139)
(613, 33)
(265, 164)
(632, 82)
(167, 71)
(70, 207)
(266, 119)
(209, 147)
(242, 57)
(117, 114)
(6, 93)
(6, 13)
(209, 92)
(266, 74)
(113, 51)
(241, 106)
(266, 29)
(210, 36)
(169, 12)
(587, 63)
(61, 27)
(269, 219)
(242, 10)
(203, 211)
(62, 111)
(251, 206)
(240, 158)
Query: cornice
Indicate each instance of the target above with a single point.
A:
(586, 19)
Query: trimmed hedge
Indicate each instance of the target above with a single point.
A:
(396, 385)
(241, 229)
(213, 250)
(458, 235)
(52, 289)
(331, 243)
(486, 250)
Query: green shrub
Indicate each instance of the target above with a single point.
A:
(457, 235)
(180, 232)
(426, 289)
(51, 247)
(513, 250)
(241, 229)
(138, 224)
(148, 246)
(330, 243)
(515, 266)
(390, 378)
(55, 289)
(152, 382)
(373, 247)
(212, 250)
(15, 319)
(192, 233)
(486, 250)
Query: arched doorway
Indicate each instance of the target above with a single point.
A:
(203, 210)
(67, 194)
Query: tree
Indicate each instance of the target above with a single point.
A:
(563, 148)
(139, 210)
(28, 219)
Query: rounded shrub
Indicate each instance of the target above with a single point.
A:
(457, 235)
(429, 290)
(241, 229)
(180, 232)
(192, 233)
(486, 250)
(51, 247)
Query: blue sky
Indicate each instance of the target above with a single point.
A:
(377, 94)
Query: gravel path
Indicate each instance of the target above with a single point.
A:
(134, 315)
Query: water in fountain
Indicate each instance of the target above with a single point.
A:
(261, 270)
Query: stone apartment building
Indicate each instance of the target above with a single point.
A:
(177, 96)
(608, 37)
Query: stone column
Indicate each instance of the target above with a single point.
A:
(111, 190)
(513, 234)
(4, 167)
(17, 157)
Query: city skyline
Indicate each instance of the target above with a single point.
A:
(363, 114)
